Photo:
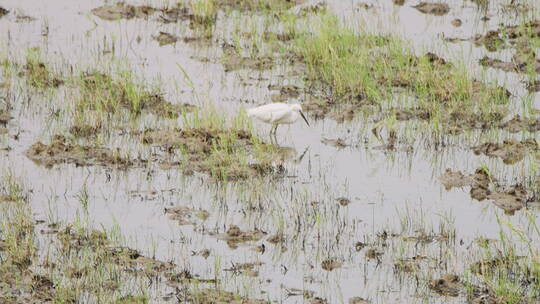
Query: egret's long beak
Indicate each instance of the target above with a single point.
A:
(304, 117)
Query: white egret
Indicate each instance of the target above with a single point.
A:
(277, 114)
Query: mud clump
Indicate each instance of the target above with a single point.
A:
(331, 264)
(39, 76)
(166, 38)
(284, 92)
(511, 151)
(448, 285)
(485, 187)
(358, 300)
(338, 142)
(517, 124)
(433, 8)
(234, 236)
(164, 15)
(452, 179)
(185, 277)
(77, 239)
(63, 151)
(185, 215)
(373, 254)
(522, 62)
(4, 117)
(85, 130)
(3, 12)
(247, 269)
(215, 296)
(510, 201)
(234, 62)
(214, 151)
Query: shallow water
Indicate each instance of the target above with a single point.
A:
(384, 187)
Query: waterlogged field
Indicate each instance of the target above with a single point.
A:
(131, 173)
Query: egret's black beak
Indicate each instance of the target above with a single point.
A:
(304, 117)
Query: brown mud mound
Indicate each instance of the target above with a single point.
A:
(247, 269)
(63, 151)
(485, 187)
(76, 239)
(282, 93)
(185, 215)
(38, 75)
(433, 8)
(85, 130)
(511, 200)
(3, 12)
(511, 151)
(517, 36)
(331, 264)
(452, 179)
(523, 61)
(448, 285)
(234, 236)
(126, 11)
(185, 277)
(4, 117)
(217, 152)
(165, 38)
(215, 296)
(234, 62)
(517, 124)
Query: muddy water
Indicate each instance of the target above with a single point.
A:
(383, 187)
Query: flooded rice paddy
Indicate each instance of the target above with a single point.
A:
(131, 173)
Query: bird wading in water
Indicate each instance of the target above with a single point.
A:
(277, 114)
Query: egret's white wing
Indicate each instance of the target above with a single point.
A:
(270, 113)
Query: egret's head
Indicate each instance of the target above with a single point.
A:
(298, 108)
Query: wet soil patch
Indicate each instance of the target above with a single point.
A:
(282, 93)
(3, 12)
(331, 264)
(518, 36)
(484, 187)
(186, 277)
(76, 239)
(185, 215)
(511, 151)
(5, 117)
(64, 151)
(433, 8)
(523, 61)
(338, 142)
(166, 38)
(39, 75)
(216, 152)
(247, 269)
(126, 11)
(234, 236)
(102, 92)
(215, 296)
(447, 285)
(518, 124)
(85, 130)
(233, 62)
